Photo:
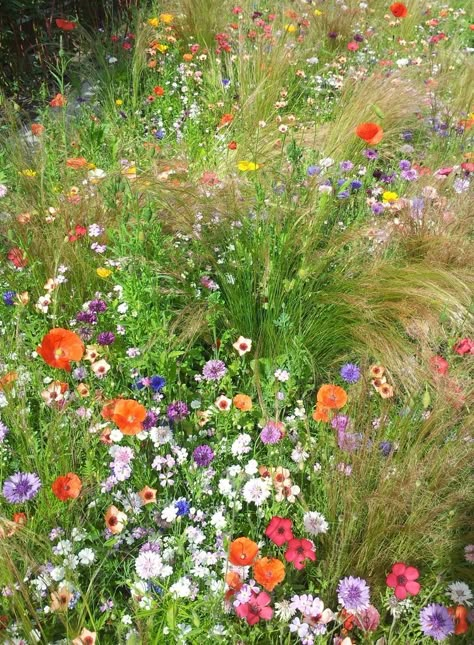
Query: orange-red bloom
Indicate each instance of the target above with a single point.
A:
(67, 487)
(242, 552)
(127, 414)
(459, 615)
(242, 402)
(158, 90)
(37, 129)
(371, 133)
(65, 25)
(321, 413)
(331, 396)
(58, 101)
(399, 10)
(59, 347)
(76, 162)
(269, 572)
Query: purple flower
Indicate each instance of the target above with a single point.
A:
(271, 432)
(203, 455)
(79, 373)
(313, 170)
(157, 383)
(177, 410)
(436, 622)
(340, 422)
(353, 594)
(85, 333)
(385, 448)
(21, 487)
(349, 441)
(377, 208)
(350, 373)
(106, 338)
(97, 306)
(4, 430)
(150, 420)
(359, 38)
(345, 166)
(356, 184)
(404, 164)
(9, 298)
(214, 370)
(88, 317)
(370, 153)
(409, 175)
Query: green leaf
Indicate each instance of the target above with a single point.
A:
(171, 617)
(378, 111)
(426, 399)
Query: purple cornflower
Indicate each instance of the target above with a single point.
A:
(271, 432)
(436, 622)
(85, 333)
(340, 422)
(332, 34)
(9, 298)
(356, 184)
(160, 134)
(183, 507)
(350, 373)
(88, 317)
(409, 175)
(313, 170)
(203, 455)
(404, 164)
(214, 370)
(377, 208)
(385, 448)
(407, 135)
(370, 153)
(345, 166)
(157, 383)
(21, 487)
(150, 420)
(344, 194)
(106, 338)
(97, 306)
(4, 430)
(177, 410)
(79, 373)
(353, 594)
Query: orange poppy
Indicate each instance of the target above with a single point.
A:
(226, 119)
(7, 379)
(242, 402)
(399, 10)
(158, 90)
(59, 347)
(331, 396)
(234, 582)
(459, 615)
(37, 129)
(188, 58)
(65, 25)
(128, 416)
(19, 518)
(321, 413)
(371, 133)
(269, 572)
(242, 552)
(67, 487)
(58, 101)
(76, 162)
(115, 520)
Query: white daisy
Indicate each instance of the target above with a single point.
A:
(460, 593)
(315, 523)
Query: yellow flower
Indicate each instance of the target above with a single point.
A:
(119, 102)
(103, 273)
(167, 18)
(161, 48)
(245, 166)
(389, 196)
(290, 28)
(317, 12)
(153, 22)
(28, 172)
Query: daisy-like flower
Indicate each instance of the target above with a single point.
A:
(353, 594)
(256, 491)
(214, 370)
(284, 611)
(436, 622)
(460, 593)
(21, 487)
(315, 523)
(242, 345)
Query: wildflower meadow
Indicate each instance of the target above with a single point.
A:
(236, 324)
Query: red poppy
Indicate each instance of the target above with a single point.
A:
(17, 257)
(37, 129)
(298, 551)
(226, 119)
(242, 552)
(59, 347)
(232, 145)
(67, 487)
(65, 25)
(76, 163)
(464, 346)
(331, 396)
(439, 365)
(399, 10)
(371, 133)
(279, 530)
(158, 90)
(20, 518)
(127, 414)
(79, 231)
(58, 101)
(403, 579)
(459, 615)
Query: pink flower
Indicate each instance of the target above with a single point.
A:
(402, 579)
(255, 609)
(352, 46)
(298, 551)
(368, 619)
(464, 346)
(279, 530)
(439, 365)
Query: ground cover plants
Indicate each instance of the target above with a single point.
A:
(236, 328)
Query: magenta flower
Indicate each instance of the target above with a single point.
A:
(255, 609)
(298, 551)
(279, 530)
(402, 578)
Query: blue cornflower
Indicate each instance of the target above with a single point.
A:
(9, 297)
(350, 373)
(157, 383)
(182, 507)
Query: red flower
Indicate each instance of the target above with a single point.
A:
(65, 25)
(279, 530)
(255, 609)
(58, 101)
(371, 133)
(460, 617)
(298, 551)
(399, 10)
(439, 365)
(402, 578)
(232, 145)
(464, 346)
(158, 90)
(67, 487)
(17, 257)
(352, 46)
(59, 347)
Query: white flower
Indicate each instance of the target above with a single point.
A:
(86, 556)
(71, 561)
(58, 573)
(299, 455)
(223, 404)
(241, 445)
(242, 345)
(111, 60)
(181, 588)
(256, 491)
(460, 593)
(122, 308)
(63, 547)
(284, 611)
(252, 467)
(281, 375)
(225, 487)
(170, 513)
(314, 523)
(126, 619)
(218, 520)
(148, 565)
(100, 368)
(115, 435)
